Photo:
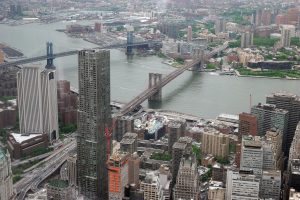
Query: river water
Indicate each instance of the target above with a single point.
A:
(201, 94)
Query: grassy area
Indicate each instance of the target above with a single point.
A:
(211, 66)
(221, 160)
(210, 26)
(238, 16)
(270, 73)
(179, 60)
(264, 41)
(16, 178)
(295, 41)
(208, 175)
(282, 55)
(161, 55)
(19, 170)
(59, 183)
(3, 135)
(235, 44)
(66, 129)
(161, 156)
(232, 147)
(36, 152)
(6, 98)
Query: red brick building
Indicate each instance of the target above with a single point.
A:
(247, 124)
(22, 145)
(67, 103)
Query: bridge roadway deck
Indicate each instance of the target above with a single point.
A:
(38, 175)
(73, 52)
(150, 91)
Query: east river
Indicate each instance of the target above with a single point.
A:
(201, 94)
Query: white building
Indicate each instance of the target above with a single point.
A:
(294, 195)
(37, 101)
(287, 32)
(295, 146)
(251, 155)
(30, 100)
(6, 183)
(152, 187)
(49, 103)
(241, 186)
(270, 185)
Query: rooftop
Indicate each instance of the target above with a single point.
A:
(270, 107)
(22, 138)
(179, 145)
(295, 166)
(173, 124)
(285, 95)
(129, 138)
(118, 157)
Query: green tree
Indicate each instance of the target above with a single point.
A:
(223, 161)
(211, 66)
(264, 41)
(198, 153)
(6, 98)
(180, 60)
(208, 174)
(295, 41)
(234, 44)
(3, 135)
(161, 156)
(16, 178)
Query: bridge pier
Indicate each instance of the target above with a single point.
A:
(155, 80)
(129, 49)
(50, 56)
(198, 54)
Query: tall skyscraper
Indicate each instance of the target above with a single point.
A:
(182, 148)
(30, 100)
(246, 40)
(247, 124)
(49, 103)
(189, 34)
(290, 103)
(37, 101)
(295, 146)
(286, 34)
(187, 184)
(94, 116)
(273, 154)
(220, 26)
(134, 169)
(175, 130)
(269, 116)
